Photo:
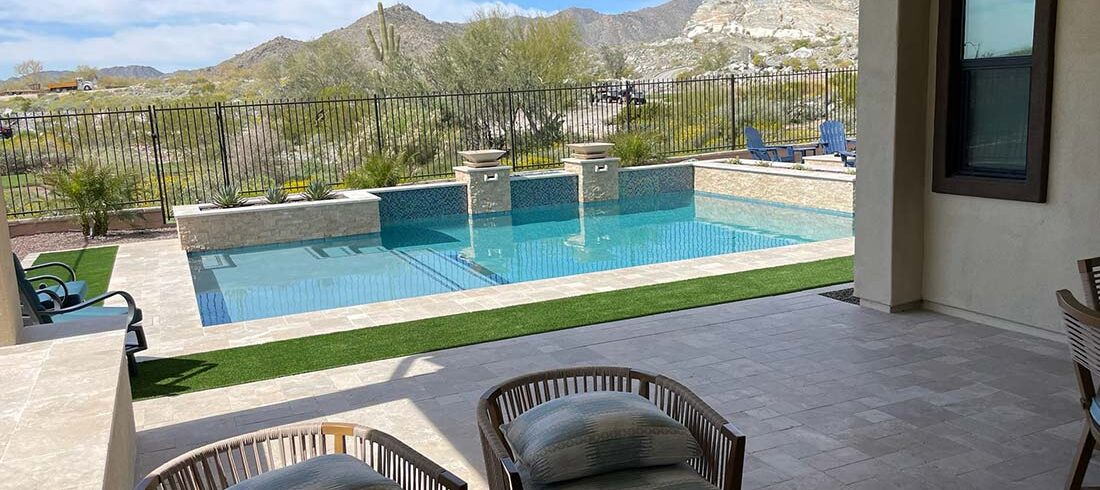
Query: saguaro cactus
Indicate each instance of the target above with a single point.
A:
(390, 44)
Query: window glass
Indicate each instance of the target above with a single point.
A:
(997, 103)
(996, 28)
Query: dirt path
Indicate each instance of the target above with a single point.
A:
(47, 242)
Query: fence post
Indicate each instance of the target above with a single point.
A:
(733, 113)
(221, 141)
(377, 125)
(162, 191)
(512, 128)
(827, 95)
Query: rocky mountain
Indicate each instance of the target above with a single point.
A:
(140, 72)
(679, 36)
(630, 28)
(274, 50)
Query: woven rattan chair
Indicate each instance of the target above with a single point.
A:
(723, 445)
(1083, 332)
(219, 465)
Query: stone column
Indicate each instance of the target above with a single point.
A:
(488, 189)
(894, 107)
(11, 317)
(597, 178)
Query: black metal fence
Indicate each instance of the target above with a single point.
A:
(179, 154)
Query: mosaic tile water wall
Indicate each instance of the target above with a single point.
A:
(421, 202)
(528, 192)
(643, 181)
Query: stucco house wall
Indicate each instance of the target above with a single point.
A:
(994, 261)
(1005, 259)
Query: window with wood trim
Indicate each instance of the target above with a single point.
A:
(993, 94)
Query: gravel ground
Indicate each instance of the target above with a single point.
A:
(46, 242)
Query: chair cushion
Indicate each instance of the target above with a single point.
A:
(594, 433)
(77, 290)
(674, 477)
(329, 472)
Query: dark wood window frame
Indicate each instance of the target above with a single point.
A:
(949, 128)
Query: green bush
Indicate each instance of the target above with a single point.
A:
(95, 191)
(635, 149)
(380, 170)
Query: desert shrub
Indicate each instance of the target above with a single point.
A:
(635, 149)
(95, 191)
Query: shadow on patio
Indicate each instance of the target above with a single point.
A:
(830, 395)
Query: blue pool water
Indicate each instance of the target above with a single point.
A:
(452, 253)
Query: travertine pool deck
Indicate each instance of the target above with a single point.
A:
(158, 276)
(831, 395)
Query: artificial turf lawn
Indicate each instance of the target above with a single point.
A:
(92, 265)
(286, 357)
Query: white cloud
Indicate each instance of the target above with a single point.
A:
(171, 35)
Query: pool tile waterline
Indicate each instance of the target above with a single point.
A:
(456, 253)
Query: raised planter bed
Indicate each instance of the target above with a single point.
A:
(207, 227)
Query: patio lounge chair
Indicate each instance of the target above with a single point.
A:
(236, 460)
(784, 153)
(71, 291)
(1083, 332)
(835, 141)
(36, 312)
(722, 445)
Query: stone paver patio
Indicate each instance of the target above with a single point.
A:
(831, 395)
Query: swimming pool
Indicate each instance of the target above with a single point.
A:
(458, 252)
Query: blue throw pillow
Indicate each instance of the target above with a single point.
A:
(330, 472)
(595, 433)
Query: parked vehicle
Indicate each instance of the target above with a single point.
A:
(67, 85)
(617, 92)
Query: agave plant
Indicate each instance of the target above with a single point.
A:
(318, 191)
(228, 197)
(276, 195)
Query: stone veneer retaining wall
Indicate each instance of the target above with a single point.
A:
(656, 179)
(543, 189)
(203, 228)
(821, 190)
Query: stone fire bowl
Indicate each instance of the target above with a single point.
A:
(482, 158)
(590, 150)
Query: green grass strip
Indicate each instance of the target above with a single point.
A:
(239, 365)
(92, 265)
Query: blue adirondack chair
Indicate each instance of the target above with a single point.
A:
(55, 310)
(836, 142)
(780, 153)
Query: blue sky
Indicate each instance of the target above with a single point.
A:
(172, 35)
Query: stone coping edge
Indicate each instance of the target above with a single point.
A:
(785, 172)
(343, 197)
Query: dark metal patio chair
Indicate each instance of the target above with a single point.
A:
(1083, 333)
